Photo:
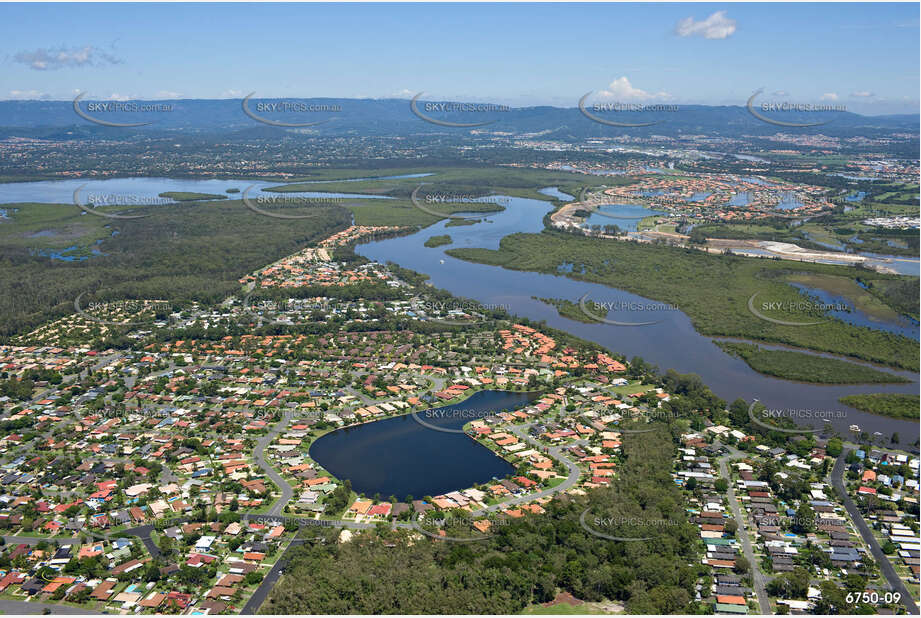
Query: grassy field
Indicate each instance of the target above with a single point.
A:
(438, 241)
(629, 389)
(649, 223)
(895, 405)
(713, 290)
(462, 222)
(572, 310)
(901, 295)
(403, 212)
(51, 227)
(849, 289)
(565, 609)
(191, 196)
(478, 182)
(801, 367)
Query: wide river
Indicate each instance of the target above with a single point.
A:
(145, 190)
(671, 343)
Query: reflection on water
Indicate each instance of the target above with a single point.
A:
(699, 196)
(900, 264)
(141, 190)
(624, 216)
(856, 197)
(788, 201)
(401, 457)
(740, 199)
(671, 343)
(902, 325)
(554, 192)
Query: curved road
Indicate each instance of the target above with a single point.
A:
(885, 567)
(274, 574)
(262, 592)
(287, 492)
(259, 456)
(557, 453)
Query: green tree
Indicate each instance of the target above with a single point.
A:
(804, 522)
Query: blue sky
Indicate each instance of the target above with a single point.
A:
(864, 56)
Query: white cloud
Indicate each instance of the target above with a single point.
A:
(717, 26)
(830, 96)
(232, 94)
(27, 95)
(404, 93)
(168, 94)
(863, 94)
(622, 90)
(50, 59)
(781, 93)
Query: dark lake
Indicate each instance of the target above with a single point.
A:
(400, 456)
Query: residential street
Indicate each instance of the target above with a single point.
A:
(143, 533)
(886, 568)
(764, 602)
(271, 578)
(261, 593)
(32, 540)
(35, 608)
(556, 452)
(259, 455)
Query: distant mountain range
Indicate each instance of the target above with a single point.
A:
(381, 117)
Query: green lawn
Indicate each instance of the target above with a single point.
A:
(403, 212)
(573, 310)
(438, 241)
(792, 365)
(191, 196)
(563, 609)
(629, 389)
(480, 181)
(896, 405)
